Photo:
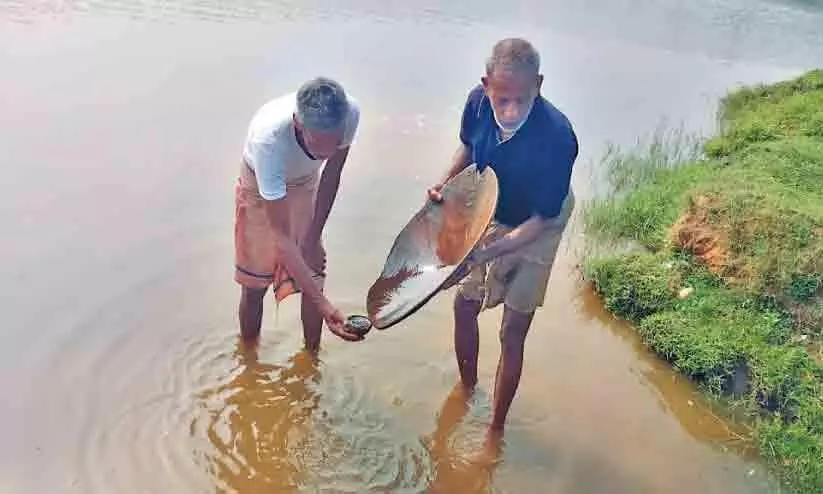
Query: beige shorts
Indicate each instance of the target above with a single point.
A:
(519, 279)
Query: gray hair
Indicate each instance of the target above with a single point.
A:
(322, 105)
(515, 55)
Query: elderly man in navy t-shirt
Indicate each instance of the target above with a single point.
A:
(531, 146)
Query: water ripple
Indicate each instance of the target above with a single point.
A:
(230, 420)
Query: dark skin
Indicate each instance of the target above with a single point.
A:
(308, 257)
(510, 93)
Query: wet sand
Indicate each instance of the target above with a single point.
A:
(120, 131)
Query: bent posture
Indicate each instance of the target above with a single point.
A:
(283, 202)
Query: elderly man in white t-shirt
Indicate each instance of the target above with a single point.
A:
(283, 201)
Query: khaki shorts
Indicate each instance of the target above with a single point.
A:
(519, 279)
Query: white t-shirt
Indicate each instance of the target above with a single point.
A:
(272, 150)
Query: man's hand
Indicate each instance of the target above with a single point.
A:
(462, 158)
(479, 256)
(476, 258)
(326, 194)
(336, 322)
(315, 255)
(434, 193)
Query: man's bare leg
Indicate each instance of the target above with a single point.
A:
(312, 325)
(513, 333)
(466, 339)
(251, 313)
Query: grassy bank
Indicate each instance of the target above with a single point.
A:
(724, 274)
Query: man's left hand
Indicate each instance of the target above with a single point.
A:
(480, 256)
(473, 260)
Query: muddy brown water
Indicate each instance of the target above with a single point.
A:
(120, 128)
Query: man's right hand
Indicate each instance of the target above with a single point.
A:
(336, 322)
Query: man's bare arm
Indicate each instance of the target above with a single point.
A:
(326, 195)
(293, 260)
(526, 233)
(277, 212)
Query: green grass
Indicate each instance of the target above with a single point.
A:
(755, 197)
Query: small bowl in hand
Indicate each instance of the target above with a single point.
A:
(359, 325)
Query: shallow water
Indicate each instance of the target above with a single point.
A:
(120, 130)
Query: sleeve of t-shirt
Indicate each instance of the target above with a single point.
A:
(268, 168)
(555, 176)
(352, 122)
(469, 117)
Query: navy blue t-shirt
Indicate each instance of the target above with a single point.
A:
(533, 167)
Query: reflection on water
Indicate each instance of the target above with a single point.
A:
(452, 471)
(242, 420)
(259, 422)
(276, 428)
(268, 429)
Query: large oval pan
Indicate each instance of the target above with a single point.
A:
(432, 246)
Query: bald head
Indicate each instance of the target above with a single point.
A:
(513, 55)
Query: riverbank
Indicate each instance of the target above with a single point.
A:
(715, 253)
